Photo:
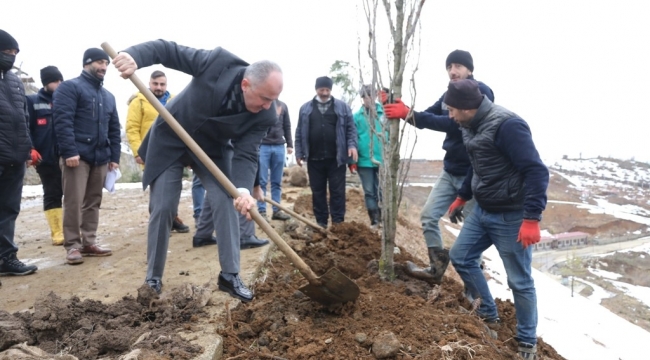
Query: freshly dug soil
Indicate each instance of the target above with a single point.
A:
(90, 329)
(403, 319)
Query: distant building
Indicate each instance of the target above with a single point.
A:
(562, 241)
(28, 81)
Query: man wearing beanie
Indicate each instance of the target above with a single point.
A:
(44, 153)
(508, 181)
(14, 156)
(87, 129)
(227, 108)
(326, 137)
(459, 65)
(139, 119)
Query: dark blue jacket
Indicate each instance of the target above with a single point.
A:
(41, 129)
(86, 121)
(346, 131)
(437, 118)
(514, 141)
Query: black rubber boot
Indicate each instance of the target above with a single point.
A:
(438, 262)
(372, 214)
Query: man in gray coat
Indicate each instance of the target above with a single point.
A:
(227, 108)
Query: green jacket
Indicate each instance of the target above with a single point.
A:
(364, 132)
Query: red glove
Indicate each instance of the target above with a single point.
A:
(398, 110)
(353, 168)
(529, 233)
(456, 210)
(384, 96)
(36, 157)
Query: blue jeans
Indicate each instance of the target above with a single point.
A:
(481, 230)
(11, 190)
(370, 184)
(444, 192)
(271, 161)
(198, 194)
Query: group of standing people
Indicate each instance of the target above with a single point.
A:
(72, 145)
(493, 177)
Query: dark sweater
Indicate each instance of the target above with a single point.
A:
(322, 132)
(280, 132)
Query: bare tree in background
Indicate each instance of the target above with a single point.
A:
(402, 19)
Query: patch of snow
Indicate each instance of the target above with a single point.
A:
(577, 327)
(605, 274)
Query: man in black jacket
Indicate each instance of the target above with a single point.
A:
(87, 129)
(15, 146)
(45, 155)
(227, 108)
(272, 157)
(508, 181)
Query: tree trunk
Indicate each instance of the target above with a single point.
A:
(391, 191)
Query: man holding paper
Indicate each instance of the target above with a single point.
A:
(88, 133)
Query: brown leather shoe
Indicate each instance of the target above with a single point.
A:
(74, 257)
(94, 250)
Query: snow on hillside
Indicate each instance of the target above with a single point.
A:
(577, 327)
(599, 178)
(603, 173)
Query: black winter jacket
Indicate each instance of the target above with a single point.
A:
(41, 129)
(15, 144)
(86, 121)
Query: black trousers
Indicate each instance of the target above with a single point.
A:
(52, 186)
(11, 190)
(322, 172)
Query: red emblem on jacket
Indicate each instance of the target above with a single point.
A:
(41, 121)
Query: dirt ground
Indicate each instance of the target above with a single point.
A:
(425, 322)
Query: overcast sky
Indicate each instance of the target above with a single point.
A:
(574, 70)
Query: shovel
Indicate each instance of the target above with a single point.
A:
(295, 215)
(330, 289)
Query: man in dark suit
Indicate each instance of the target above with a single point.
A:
(227, 108)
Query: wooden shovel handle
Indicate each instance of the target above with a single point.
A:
(304, 269)
(294, 214)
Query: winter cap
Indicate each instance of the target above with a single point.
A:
(463, 95)
(324, 82)
(50, 74)
(7, 42)
(94, 54)
(460, 57)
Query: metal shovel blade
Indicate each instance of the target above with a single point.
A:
(335, 289)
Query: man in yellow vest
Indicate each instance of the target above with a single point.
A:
(140, 118)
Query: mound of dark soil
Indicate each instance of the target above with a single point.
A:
(90, 329)
(403, 319)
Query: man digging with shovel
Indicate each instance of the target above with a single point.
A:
(227, 100)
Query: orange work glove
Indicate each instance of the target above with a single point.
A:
(398, 110)
(456, 210)
(529, 233)
(36, 157)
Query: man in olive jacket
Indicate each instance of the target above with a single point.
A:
(227, 108)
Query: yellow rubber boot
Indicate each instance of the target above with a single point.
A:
(55, 219)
